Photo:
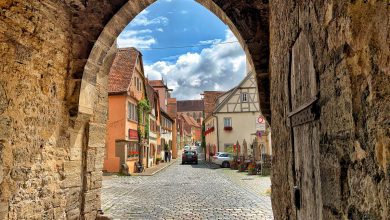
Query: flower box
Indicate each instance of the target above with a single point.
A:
(228, 128)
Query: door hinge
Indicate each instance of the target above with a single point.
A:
(305, 113)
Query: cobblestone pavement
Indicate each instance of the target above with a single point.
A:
(187, 192)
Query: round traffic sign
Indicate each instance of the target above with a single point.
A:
(260, 120)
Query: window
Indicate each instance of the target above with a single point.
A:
(227, 122)
(244, 97)
(132, 150)
(132, 112)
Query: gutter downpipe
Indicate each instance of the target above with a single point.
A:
(217, 132)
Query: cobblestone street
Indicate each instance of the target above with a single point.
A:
(187, 192)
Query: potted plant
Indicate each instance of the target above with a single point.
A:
(252, 169)
(234, 165)
(158, 160)
(241, 167)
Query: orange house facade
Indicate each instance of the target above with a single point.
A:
(126, 86)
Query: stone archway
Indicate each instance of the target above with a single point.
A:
(251, 33)
(49, 135)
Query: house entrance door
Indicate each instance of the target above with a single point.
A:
(305, 131)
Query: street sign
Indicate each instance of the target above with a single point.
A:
(260, 123)
(261, 120)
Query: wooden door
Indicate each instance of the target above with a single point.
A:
(305, 131)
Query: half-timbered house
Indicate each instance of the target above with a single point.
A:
(235, 119)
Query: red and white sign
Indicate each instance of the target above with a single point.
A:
(260, 123)
(261, 120)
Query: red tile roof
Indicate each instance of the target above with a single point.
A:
(122, 70)
(189, 120)
(152, 94)
(157, 83)
(190, 105)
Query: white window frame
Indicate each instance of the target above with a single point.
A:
(132, 113)
(229, 120)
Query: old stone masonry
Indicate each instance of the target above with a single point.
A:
(327, 102)
(188, 192)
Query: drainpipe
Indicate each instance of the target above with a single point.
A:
(217, 132)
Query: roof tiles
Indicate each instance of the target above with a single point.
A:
(122, 70)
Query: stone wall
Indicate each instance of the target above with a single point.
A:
(53, 99)
(50, 156)
(34, 138)
(350, 46)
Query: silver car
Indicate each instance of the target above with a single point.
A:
(223, 159)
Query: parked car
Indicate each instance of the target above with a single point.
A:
(223, 159)
(213, 158)
(189, 157)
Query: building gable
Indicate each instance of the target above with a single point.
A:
(243, 98)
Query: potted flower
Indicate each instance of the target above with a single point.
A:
(252, 169)
(233, 165)
(241, 167)
(158, 160)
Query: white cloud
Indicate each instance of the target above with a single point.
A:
(183, 12)
(143, 19)
(217, 67)
(131, 38)
(160, 29)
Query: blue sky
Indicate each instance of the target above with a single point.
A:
(191, 70)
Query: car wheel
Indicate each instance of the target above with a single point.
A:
(225, 164)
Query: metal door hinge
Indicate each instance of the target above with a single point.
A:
(307, 112)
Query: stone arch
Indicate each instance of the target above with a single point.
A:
(255, 46)
(252, 34)
(46, 137)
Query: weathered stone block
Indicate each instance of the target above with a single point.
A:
(73, 214)
(87, 98)
(91, 195)
(97, 135)
(90, 215)
(90, 160)
(71, 180)
(72, 167)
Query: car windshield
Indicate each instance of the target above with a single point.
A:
(190, 153)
